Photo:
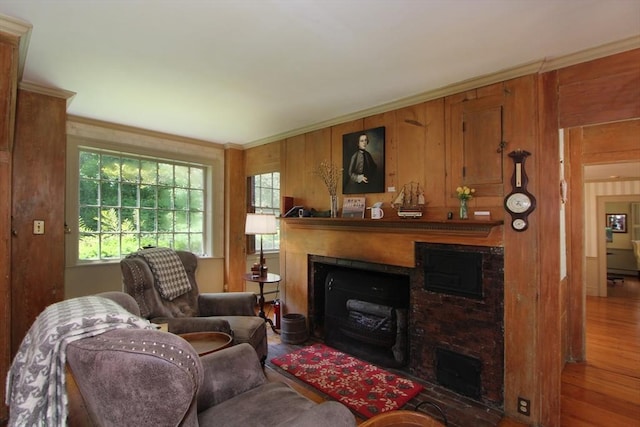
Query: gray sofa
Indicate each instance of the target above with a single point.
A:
(141, 377)
(229, 312)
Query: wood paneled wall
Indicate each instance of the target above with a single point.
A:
(8, 93)
(542, 312)
(38, 194)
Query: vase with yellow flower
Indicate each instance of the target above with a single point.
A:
(464, 195)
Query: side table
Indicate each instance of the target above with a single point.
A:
(207, 342)
(261, 280)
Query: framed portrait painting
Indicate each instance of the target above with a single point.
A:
(363, 161)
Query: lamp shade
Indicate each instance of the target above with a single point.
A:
(260, 224)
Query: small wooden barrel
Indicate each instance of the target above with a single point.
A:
(294, 329)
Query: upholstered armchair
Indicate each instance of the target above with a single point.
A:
(120, 371)
(183, 308)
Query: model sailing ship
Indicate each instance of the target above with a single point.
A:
(410, 201)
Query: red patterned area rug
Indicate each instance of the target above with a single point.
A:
(363, 387)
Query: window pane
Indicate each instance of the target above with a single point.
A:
(110, 167)
(165, 220)
(109, 193)
(147, 220)
(196, 200)
(196, 221)
(88, 219)
(130, 243)
(129, 220)
(182, 176)
(182, 221)
(88, 192)
(181, 242)
(129, 194)
(148, 172)
(181, 199)
(109, 246)
(89, 165)
(148, 196)
(130, 170)
(165, 174)
(197, 178)
(195, 243)
(165, 198)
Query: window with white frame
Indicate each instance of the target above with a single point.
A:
(264, 197)
(128, 201)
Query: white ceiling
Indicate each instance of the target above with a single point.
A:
(246, 71)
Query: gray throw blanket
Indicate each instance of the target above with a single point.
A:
(168, 271)
(35, 389)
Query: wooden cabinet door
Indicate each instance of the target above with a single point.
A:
(476, 145)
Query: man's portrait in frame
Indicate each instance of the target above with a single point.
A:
(363, 161)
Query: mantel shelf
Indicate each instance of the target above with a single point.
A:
(452, 226)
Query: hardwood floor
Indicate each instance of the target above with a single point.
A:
(603, 391)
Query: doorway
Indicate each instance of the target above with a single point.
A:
(615, 259)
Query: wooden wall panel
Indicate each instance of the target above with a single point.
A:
(409, 149)
(294, 174)
(552, 306)
(600, 91)
(8, 93)
(235, 213)
(262, 159)
(317, 147)
(38, 194)
(435, 173)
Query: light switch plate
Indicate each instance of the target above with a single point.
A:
(38, 226)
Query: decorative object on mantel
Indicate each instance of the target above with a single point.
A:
(410, 201)
(353, 207)
(330, 175)
(464, 194)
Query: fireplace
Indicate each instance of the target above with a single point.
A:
(453, 316)
(366, 315)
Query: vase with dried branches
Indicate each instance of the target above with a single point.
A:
(330, 175)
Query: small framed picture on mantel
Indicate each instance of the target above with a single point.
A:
(353, 207)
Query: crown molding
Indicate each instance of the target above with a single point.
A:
(21, 30)
(534, 67)
(49, 91)
(597, 52)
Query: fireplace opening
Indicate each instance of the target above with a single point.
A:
(366, 314)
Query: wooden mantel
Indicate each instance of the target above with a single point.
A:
(395, 225)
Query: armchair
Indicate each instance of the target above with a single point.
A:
(191, 311)
(151, 378)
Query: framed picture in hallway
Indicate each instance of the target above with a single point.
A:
(617, 222)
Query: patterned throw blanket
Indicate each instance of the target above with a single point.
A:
(35, 389)
(168, 271)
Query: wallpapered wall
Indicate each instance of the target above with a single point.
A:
(591, 192)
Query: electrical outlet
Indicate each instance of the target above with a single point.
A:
(524, 406)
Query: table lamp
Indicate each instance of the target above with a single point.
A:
(258, 224)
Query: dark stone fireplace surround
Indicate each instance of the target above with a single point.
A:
(462, 327)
